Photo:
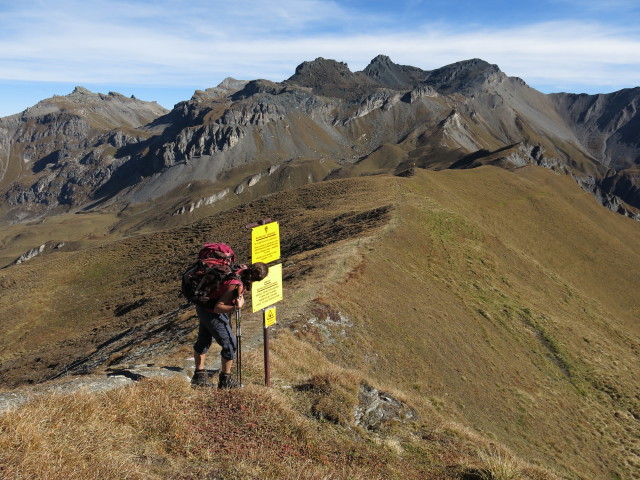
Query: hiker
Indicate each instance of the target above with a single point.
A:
(215, 324)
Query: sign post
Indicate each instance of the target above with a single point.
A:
(269, 317)
(265, 247)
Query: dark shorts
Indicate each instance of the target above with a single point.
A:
(215, 326)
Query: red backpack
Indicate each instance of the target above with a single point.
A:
(216, 263)
(217, 251)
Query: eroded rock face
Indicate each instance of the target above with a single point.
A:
(210, 200)
(601, 190)
(464, 77)
(606, 124)
(403, 77)
(36, 251)
(69, 146)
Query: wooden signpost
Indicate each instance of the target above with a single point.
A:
(265, 248)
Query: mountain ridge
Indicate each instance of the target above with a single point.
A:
(322, 113)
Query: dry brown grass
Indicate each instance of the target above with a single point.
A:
(303, 428)
(85, 436)
(335, 396)
(495, 462)
(498, 465)
(164, 429)
(78, 230)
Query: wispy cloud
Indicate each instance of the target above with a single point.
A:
(174, 43)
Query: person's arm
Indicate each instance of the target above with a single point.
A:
(228, 302)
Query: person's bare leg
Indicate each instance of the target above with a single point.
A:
(225, 365)
(199, 359)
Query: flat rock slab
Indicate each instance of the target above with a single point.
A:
(110, 379)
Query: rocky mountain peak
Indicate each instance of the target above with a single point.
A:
(381, 60)
(255, 87)
(331, 78)
(607, 124)
(463, 76)
(84, 146)
(81, 92)
(322, 66)
(82, 95)
(384, 71)
(228, 86)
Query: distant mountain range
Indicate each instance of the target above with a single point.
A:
(88, 151)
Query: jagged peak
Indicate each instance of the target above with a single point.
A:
(332, 79)
(112, 109)
(462, 76)
(477, 62)
(383, 70)
(255, 87)
(81, 92)
(381, 60)
(231, 83)
(322, 64)
(82, 95)
(474, 65)
(228, 86)
(121, 96)
(380, 63)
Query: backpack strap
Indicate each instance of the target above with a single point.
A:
(224, 273)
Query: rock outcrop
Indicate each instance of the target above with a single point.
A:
(37, 251)
(61, 151)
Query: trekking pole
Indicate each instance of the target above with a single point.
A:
(239, 338)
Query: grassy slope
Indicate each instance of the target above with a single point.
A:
(84, 229)
(71, 300)
(509, 300)
(504, 301)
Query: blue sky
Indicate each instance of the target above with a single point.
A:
(163, 50)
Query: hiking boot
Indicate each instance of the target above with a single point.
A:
(201, 379)
(227, 381)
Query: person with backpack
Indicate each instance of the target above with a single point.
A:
(216, 284)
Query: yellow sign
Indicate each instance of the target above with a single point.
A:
(265, 243)
(268, 291)
(269, 317)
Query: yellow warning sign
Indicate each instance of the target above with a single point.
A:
(269, 317)
(265, 243)
(268, 291)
